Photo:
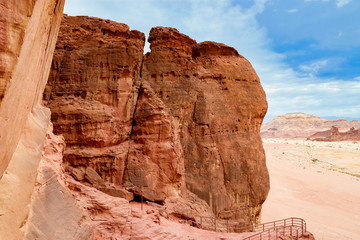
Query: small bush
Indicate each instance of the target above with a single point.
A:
(314, 160)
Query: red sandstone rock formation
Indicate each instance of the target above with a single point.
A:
(300, 125)
(93, 86)
(216, 98)
(334, 135)
(186, 116)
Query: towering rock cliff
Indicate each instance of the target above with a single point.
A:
(92, 88)
(215, 96)
(185, 116)
(28, 32)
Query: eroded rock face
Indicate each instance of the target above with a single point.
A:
(216, 97)
(92, 91)
(186, 115)
(110, 121)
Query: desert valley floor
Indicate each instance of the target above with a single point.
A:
(317, 181)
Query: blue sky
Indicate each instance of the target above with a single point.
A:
(306, 52)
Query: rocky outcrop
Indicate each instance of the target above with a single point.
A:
(63, 208)
(28, 32)
(334, 135)
(216, 98)
(300, 125)
(93, 90)
(186, 116)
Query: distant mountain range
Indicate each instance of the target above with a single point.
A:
(301, 125)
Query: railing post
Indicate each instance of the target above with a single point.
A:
(291, 230)
(283, 230)
(269, 234)
(297, 234)
(215, 225)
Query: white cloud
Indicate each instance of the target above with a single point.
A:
(294, 10)
(316, 0)
(287, 89)
(341, 3)
(314, 67)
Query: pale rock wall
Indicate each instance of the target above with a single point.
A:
(27, 46)
(17, 184)
(53, 212)
(28, 35)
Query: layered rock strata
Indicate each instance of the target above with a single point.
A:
(184, 116)
(334, 135)
(301, 125)
(28, 33)
(215, 96)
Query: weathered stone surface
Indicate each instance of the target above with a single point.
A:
(77, 173)
(148, 194)
(218, 102)
(28, 32)
(93, 177)
(117, 192)
(334, 135)
(62, 208)
(189, 207)
(187, 115)
(300, 125)
(155, 155)
(92, 90)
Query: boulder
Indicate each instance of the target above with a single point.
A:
(117, 192)
(93, 177)
(148, 194)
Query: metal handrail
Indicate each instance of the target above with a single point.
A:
(219, 224)
(275, 233)
(295, 227)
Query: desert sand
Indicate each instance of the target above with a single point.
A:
(316, 181)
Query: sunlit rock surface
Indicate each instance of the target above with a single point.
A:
(28, 33)
(186, 116)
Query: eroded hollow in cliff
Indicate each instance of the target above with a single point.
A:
(141, 199)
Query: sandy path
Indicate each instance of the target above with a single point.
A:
(303, 187)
